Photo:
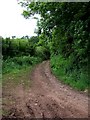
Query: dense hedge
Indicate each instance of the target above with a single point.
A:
(23, 47)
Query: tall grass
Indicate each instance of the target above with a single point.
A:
(76, 78)
(17, 63)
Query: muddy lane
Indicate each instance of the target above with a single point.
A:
(46, 98)
(56, 98)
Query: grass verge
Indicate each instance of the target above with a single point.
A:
(10, 82)
(15, 70)
(76, 78)
(15, 77)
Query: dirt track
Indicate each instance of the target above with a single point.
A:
(46, 98)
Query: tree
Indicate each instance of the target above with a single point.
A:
(65, 27)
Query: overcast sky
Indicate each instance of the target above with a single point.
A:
(12, 22)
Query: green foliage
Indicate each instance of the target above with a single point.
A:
(42, 49)
(18, 47)
(20, 53)
(42, 52)
(77, 78)
(24, 47)
(16, 63)
(64, 25)
(63, 30)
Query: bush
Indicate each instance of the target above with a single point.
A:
(17, 63)
(42, 52)
(77, 78)
(16, 47)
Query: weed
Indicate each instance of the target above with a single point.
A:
(17, 63)
(76, 78)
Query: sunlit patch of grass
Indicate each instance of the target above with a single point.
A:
(17, 77)
(17, 70)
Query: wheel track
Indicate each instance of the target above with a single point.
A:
(48, 98)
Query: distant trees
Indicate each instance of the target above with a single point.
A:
(23, 46)
(13, 37)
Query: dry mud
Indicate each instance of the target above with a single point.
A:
(46, 98)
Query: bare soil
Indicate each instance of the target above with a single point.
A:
(46, 98)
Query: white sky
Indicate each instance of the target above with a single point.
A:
(12, 22)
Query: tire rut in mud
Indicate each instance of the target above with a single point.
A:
(46, 98)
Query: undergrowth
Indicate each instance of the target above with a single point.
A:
(17, 70)
(15, 64)
(76, 78)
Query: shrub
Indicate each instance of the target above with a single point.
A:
(16, 63)
(71, 75)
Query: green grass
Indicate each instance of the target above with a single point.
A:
(17, 70)
(18, 77)
(13, 65)
(10, 82)
(76, 78)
